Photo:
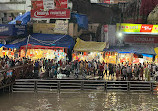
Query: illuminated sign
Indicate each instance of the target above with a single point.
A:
(137, 28)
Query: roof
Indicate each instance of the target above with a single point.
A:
(83, 46)
(46, 40)
(141, 49)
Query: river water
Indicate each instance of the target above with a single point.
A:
(80, 101)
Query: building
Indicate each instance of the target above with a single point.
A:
(9, 9)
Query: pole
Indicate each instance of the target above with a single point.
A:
(27, 44)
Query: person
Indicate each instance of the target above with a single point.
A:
(147, 73)
(141, 73)
(124, 72)
(111, 72)
(36, 69)
(129, 72)
(68, 69)
(135, 71)
(105, 69)
(94, 68)
(101, 69)
(118, 72)
(81, 67)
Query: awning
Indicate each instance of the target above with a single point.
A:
(140, 49)
(83, 46)
(50, 40)
(29, 46)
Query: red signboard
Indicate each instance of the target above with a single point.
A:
(58, 14)
(107, 1)
(141, 39)
(37, 5)
(146, 28)
(105, 28)
(59, 4)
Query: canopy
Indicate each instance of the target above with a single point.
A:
(140, 49)
(25, 18)
(84, 46)
(82, 20)
(46, 40)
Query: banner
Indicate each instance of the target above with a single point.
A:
(109, 1)
(137, 28)
(36, 5)
(20, 30)
(6, 30)
(105, 28)
(12, 30)
(141, 39)
(61, 26)
(48, 4)
(61, 4)
(55, 14)
(44, 28)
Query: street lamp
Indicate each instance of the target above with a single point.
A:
(120, 35)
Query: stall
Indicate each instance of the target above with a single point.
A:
(48, 46)
(38, 52)
(7, 50)
(133, 54)
(88, 51)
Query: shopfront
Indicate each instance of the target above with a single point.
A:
(39, 52)
(140, 40)
(88, 51)
(48, 46)
(132, 54)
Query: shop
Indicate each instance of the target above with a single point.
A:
(139, 40)
(48, 46)
(8, 50)
(132, 54)
(39, 52)
(88, 50)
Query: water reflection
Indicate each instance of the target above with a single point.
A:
(81, 101)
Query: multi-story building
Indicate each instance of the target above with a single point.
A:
(9, 9)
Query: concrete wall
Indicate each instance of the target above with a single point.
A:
(110, 36)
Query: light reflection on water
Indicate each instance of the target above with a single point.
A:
(81, 101)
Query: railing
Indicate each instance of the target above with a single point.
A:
(35, 85)
(17, 72)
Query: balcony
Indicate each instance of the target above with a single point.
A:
(13, 2)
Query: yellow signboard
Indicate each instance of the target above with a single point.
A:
(137, 28)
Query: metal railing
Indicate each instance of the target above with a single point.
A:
(36, 85)
(16, 72)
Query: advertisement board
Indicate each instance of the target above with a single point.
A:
(61, 4)
(6, 30)
(50, 28)
(55, 14)
(137, 28)
(50, 4)
(61, 26)
(105, 28)
(44, 28)
(37, 5)
(12, 30)
(109, 1)
(141, 39)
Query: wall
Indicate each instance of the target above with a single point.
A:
(110, 36)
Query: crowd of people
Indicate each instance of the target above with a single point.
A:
(124, 71)
(47, 68)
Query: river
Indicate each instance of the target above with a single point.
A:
(79, 101)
